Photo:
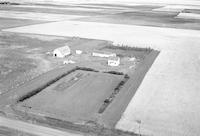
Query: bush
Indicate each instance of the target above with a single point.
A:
(126, 76)
(86, 69)
(108, 100)
(115, 72)
(39, 89)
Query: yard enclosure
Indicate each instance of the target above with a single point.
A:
(76, 97)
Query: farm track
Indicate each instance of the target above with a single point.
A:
(32, 128)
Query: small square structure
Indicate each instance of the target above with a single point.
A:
(113, 61)
(61, 52)
(79, 52)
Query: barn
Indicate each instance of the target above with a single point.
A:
(62, 52)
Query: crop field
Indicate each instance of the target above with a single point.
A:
(75, 98)
(159, 98)
(189, 16)
(63, 10)
(36, 16)
(175, 71)
(9, 22)
(150, 17)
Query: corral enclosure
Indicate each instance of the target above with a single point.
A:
(76, 97)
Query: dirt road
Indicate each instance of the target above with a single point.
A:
(32, 128)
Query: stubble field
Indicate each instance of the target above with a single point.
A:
(167, 101)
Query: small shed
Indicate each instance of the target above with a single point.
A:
(61, 52)
(79, 52)
(103, 54)
(113, 61)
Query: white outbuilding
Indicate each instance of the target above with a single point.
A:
(62, 52)
(113, 61)
(103, 54)
(79, 52)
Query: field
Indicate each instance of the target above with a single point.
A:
(90, 101)
(170, 73)
(9, 22)
(160, 98)
(75, 98)
(83, 96)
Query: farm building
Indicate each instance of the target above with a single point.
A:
(79, 52)
(62, 52)
(113, 61)
(103, 54)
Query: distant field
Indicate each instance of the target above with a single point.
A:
(76, 97)
(8, 22)
(197, 11)
(36, 16)
(147, 18)
(67, 10)
(138, 14)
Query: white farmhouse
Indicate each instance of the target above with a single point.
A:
(61, 52)
(103, 54)
(113, 61)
